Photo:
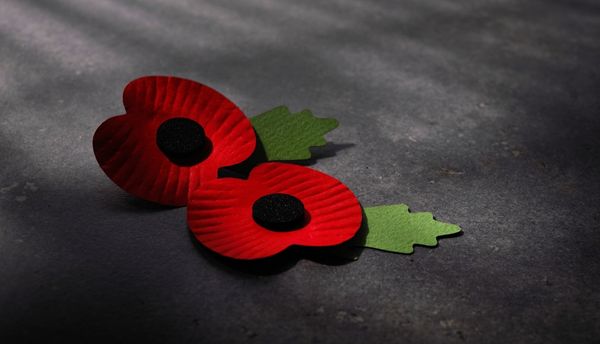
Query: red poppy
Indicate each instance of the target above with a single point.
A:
(279, 205)
(175, 135)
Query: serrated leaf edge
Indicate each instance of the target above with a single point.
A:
(412, 245)
(306, 153)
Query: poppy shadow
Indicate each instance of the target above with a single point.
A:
(344, 253)
(130, 203)
(242, 170)
(341, 254)
(259, 267)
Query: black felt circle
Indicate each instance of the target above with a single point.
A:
(279, 212)
(180, 138)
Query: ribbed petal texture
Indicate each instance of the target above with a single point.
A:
(220, 212)
(125, 146)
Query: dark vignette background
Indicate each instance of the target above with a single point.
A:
(483, 112)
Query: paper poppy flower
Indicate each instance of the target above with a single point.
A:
(175, 135)
(279, 205)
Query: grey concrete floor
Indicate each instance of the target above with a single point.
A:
(484, 112)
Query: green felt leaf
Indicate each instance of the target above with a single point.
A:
(288, 136)
(394, 228)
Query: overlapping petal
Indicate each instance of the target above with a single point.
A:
(125, 146)
(220, 212)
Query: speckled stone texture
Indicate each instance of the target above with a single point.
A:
(486, 113)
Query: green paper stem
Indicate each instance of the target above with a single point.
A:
(288, 136)
(394, 228)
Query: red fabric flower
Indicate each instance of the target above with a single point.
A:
(175, 135)
(224, 214)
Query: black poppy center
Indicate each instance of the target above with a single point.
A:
(279, 212)
(182, 140)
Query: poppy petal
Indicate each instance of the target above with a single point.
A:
(126, 149)
(220, 213)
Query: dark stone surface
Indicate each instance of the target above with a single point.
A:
(484, 112)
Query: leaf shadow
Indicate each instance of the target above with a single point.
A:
(329, 150)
